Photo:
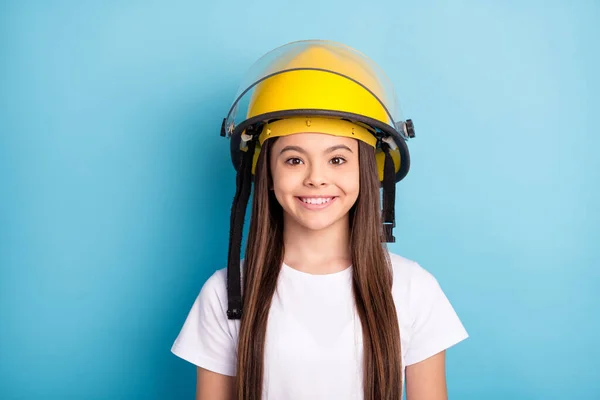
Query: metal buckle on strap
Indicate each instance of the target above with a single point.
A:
(388, 228)
(235, 313)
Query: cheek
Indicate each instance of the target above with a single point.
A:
(284, 187)
(350, 183)
(284, 181)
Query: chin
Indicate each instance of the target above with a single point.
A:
(317, 222)
(317, 225)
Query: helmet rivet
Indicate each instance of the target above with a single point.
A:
(308, 122)
(353, 131)
(268, 132)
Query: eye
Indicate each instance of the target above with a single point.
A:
(338, 160)
(294, 161)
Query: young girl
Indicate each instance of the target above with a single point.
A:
(327, 312)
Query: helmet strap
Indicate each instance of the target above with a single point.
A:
(389, 195)
(238, 213)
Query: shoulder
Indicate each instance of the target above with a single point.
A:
(413, 288)
(428, 322)
(410, 275)
(208, 338)
(217, 282)
(214, 290)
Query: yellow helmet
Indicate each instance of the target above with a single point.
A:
(307, 86)
(312, 86)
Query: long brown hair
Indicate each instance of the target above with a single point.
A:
(372, 284)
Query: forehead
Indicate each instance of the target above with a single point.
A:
(315, 141)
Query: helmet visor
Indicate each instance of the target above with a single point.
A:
(315, 75)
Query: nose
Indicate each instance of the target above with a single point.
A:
(315, 177)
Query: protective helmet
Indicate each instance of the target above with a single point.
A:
(313, 86)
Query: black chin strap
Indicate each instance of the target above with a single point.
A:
(238, 213)
(389, 194)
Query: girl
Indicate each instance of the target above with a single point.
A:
(327, 312)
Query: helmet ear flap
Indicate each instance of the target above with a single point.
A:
(238, 213)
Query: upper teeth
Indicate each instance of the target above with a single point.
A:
(318, 200)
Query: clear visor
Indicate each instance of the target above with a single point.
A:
(318, 55)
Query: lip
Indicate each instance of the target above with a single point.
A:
(316, 206)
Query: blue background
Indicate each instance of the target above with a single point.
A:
(115, 186)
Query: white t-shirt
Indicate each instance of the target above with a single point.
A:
(313, 346)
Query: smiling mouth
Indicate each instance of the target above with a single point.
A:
(316, 203)
(316, 200)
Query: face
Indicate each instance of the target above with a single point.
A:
(315, 178)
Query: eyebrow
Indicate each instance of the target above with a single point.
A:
(328, 150)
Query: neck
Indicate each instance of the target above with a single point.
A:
(318, 252)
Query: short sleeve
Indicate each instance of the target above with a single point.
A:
(435, 326)
(205, 338)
